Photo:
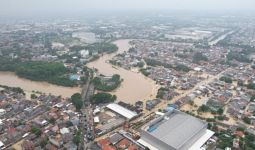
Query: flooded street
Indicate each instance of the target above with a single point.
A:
(12, 80)
(135, 85)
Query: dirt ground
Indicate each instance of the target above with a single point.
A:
(17, 146)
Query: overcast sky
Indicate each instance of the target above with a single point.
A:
(28, 7)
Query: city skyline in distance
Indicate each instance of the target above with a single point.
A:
(17, 8)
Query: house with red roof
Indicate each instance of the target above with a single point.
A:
(103, 142)
(123, 144)
(108, 147)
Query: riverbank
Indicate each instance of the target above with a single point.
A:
(51, 72)
(12, 80)
(135, 86)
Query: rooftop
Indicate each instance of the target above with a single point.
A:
(108, 147)
(175, 128)
(104, 142)
(121, 110)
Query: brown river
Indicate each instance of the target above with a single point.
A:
(12, 80)
(134, 87)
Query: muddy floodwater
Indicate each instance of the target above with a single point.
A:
(12, 80)
(135, 85)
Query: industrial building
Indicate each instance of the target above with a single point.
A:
(122, 111)
(175, 131)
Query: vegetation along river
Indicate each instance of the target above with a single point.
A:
(135, 85)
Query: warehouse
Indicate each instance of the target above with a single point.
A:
(122, 111)
(175, 131)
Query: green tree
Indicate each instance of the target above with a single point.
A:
(251, 86)
(247, 120)
(220, 111)
(203, 108)
(36, 131)
(102, 47)
(77, 101)
(181, 67)
(107, 85)
(140, 64)
(252, 98)
(84, 79)
(33, 96)
(52, 72)
(144, 71)
(197, 57)
(100, 98)
(238, 57)
(226, 79)
(220, 117)
(18, 90)
(77, 137)
(160, 94)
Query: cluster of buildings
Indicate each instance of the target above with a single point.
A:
(44, 122)
(174, 64)
(119, 140)
(49, 42)
(164, 53)
(244, 36)
(173, 130)
(150, 104)
(112, 116)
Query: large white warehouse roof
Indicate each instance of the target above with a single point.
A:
(121, 110)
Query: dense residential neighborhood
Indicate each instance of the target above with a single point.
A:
(131, 83)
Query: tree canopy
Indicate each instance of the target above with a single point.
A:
(102, 47)
(52, 72)
(108, 84)
(203, 108)
(226, 79)
(77, 137)
(177, 67)
(77, 101)
(100, 98)
(251, 86)
(238, 57)
(197, 57)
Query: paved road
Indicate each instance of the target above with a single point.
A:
(87, 116)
